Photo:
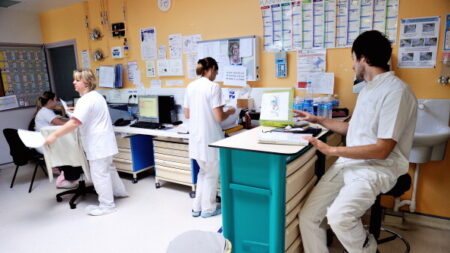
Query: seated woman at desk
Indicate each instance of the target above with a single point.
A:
(99, 143)
(45, 116)
(203, 104)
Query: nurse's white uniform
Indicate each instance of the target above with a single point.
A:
(43, 118)
(201, 97)
(386, 109)
(99, 143)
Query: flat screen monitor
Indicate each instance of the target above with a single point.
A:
(167, 109)
(148, 108)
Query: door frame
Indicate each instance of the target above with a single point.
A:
(49, 62)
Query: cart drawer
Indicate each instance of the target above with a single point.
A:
(122, 164)
(292, 232)
(175, 165)
(170, 145)
(166, 151)
(174, 174)
(123, 142)
(299, 162)
(299, 197)
(123, 154)
(171, 158)
(298, 180)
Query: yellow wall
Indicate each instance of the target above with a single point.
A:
(215, 19)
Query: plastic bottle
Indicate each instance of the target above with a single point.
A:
(321, 112)
(298, 105)
(308, 102)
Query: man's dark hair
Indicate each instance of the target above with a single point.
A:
(375, 47)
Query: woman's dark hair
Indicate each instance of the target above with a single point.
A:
(203, 65)
(375, 47)
(43, 99)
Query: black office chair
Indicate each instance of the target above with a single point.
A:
(376, 212)
(22, 155)
(81, 190)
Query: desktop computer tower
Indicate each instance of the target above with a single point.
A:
(167, 109)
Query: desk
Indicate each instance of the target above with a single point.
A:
(169, 154)
(263, 189)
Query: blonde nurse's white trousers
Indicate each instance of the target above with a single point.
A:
(342, 195)
(205, 194)
(107, 182)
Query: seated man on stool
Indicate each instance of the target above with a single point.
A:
(379, 138)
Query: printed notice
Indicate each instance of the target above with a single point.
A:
(235, 75)
(418, 42)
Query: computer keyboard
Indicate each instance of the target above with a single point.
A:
(148, 125)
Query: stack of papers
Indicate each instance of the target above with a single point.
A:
(283, 138)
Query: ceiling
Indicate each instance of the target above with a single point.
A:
(38, 6)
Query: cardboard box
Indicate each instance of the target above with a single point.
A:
(245, 103)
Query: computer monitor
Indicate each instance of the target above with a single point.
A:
(167, 109)
(148, 109)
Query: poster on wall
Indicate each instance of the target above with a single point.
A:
(418, 42)
(295, 25)
(447, 33)
(148, 43)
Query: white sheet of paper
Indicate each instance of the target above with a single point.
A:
(245, 47)
(275, 106)
(31, 139)
(235, 75)
(150, 68)
(178, 83)
(64, 104)
(322, 83)
(162, 52)
(155, 83)
(106, 77)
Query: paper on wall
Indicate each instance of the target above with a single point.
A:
(85, 59)
(175, 43)
(150, 69)
(245, 47)
(172, 83)
(418, 42)
(235, 75)
(322, 83)
(148, 43)
(155, 83)
(162, 52)
(191, 65)
(131, 69)
(190, 43)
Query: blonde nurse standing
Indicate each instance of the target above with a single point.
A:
(91, 115)
(203, 106)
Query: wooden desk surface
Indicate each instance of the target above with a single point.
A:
(248, 140)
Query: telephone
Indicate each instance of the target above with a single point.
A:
(281, 64)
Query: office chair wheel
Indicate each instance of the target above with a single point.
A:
(58, 199)
(192, 194)
(135, 180)
(157, 185)
(73, 206)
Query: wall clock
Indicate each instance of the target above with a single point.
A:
(164, 5)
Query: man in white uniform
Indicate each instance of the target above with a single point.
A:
(203, 106)
(379, 138)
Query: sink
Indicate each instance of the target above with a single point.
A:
(432, 130)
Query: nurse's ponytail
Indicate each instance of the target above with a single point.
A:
(43, 100)
(203, 65)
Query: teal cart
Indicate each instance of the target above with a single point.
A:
(254, 188)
